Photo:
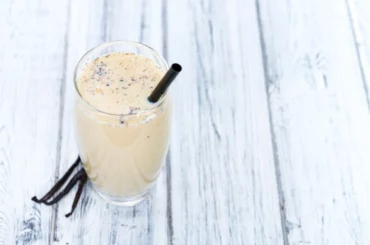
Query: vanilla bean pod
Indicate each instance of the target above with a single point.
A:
(78, 193)
(68, 188)
(79, 176)
(59, 184)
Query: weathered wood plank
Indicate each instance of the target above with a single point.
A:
(320, 120)
(223, 179)
(96, 222)
(31, 71)
(359, 13)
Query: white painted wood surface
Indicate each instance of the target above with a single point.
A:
(359, 13)
(320, 119)
(31, 71)
(223, 178)
(271, 124)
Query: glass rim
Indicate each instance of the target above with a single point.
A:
(154, 106)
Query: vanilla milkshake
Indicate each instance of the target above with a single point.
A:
(122, 138)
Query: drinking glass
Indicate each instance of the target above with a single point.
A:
(122, 154)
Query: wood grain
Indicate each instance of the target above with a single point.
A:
(223, 177)
(96, 222)
(320, 120)
(31, 73)
(270, 129)
(359, 14)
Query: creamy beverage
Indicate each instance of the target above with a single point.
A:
(122, 138)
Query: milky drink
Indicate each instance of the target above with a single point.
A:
(122, 138)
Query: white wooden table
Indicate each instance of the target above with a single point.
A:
(271, 130)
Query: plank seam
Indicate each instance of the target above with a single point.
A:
(169, 201)
(164, 28)
(143, 20)
(105, 21)
(54, 214)
(168, 160)
(358, 56)
(280, 191)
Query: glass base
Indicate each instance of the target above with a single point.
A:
(123, 201)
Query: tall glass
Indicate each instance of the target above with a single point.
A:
(122, 153)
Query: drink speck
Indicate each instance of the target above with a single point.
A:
(121, 82)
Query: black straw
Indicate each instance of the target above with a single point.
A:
(164, 83)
